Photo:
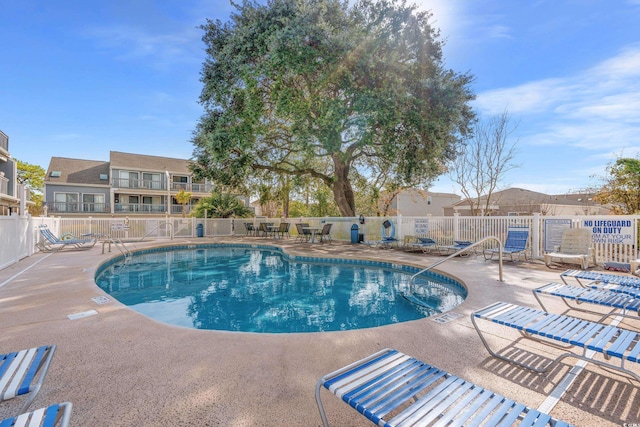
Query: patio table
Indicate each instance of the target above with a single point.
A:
(313, 232)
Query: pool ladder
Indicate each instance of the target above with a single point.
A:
(410, 296)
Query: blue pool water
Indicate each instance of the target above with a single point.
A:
(241, 288)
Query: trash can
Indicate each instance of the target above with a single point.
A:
(200, 230)
(354, 233)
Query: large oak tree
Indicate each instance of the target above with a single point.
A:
(319, 88)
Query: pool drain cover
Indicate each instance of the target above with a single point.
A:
(100, 300)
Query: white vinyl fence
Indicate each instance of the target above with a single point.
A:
(615, 238)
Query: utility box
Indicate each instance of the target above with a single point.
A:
(200, 230)
(354, 233)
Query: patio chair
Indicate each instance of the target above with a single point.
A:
(563, 332)
(303, 234)
(325, 233)
(263, 229)
(52, 416)
(250, 229)
(51, 242)
(575, 245)
(390, 389)
(283, 229)
(23, 372)
(516, 243)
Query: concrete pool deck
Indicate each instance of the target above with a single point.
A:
(119, 368)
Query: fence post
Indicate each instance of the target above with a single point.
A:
(456, 226)
(535, 236)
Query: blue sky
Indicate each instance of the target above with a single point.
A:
(79, 79)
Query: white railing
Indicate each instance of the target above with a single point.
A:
(615, 237)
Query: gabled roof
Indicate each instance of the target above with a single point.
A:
(516, 196)
(77, 171)
(131, 161)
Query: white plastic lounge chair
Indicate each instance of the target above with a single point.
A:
(553, 329)
(574, 246)
(516, 243)
(579, 295)
(392, 389)
(51, 242)
(597, 277)
(22, 373)
(54, 415)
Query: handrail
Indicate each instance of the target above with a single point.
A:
(412, 279)
(126, 253)
(157, 227)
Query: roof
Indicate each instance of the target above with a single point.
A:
(515, 196)
(131, 161)
(77, 171)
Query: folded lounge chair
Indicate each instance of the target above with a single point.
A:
(388, 236)
(22, 373)
(51, 242)
(579, 295)
(392, 389)
(457, 246)
(554, 329)
(516, 243)
(53, 416)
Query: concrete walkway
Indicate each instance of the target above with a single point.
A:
(120, 368)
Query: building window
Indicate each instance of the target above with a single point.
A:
(65, 202)
(93, 203)
(152, 181)
(428, 200)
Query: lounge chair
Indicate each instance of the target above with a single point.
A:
(22, 373)
(610, 341)
(392, 389)
(579, 295)
(458, 245)
(424, 244)
(516, 243)
(54, 415)
(597, 277)
(575, 246)
(325, 233)
(51, 242)
(388, 238)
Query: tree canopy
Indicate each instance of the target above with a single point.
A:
(321, 88)
(621, 188)
(32, 176)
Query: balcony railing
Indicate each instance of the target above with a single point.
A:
(139, 208)
(138, 183)
(194, 187)
(4, 185)
(61, 207)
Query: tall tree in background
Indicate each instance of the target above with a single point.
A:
(318, 88)
(32, 176)
(622, 187)
(483, 161)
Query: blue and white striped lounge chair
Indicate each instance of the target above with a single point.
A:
(51, 242)
(23, 372)
(611, 342)
(598, 277)
(424, 244)
(516, 243)
(595, 295)
(392, 389)
(57, 415)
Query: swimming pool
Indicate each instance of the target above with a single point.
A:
(254, 288)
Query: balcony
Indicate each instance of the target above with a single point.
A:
(142, 208)
(193, 187)
(4, 185)
(59, 207)
(138, 183)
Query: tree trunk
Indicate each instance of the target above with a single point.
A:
(342, 190)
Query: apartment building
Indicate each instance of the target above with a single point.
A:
(128, 184)
(11, 192)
